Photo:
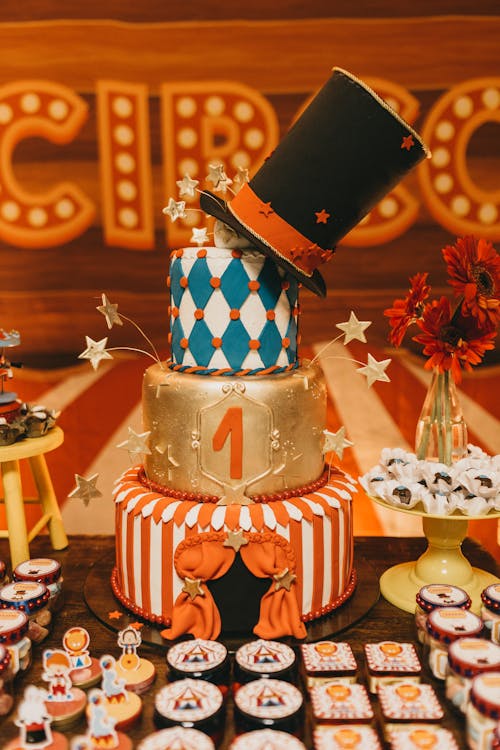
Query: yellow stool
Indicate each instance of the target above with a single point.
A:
(34, 450)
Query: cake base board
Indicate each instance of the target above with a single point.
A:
(102, 603)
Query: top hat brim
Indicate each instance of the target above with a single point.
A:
(218, 208)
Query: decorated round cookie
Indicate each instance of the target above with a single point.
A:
(264, 659)
(268, 703)
(266, 738)
(175, 738)
(139, 674)
(86, 671)
(192, 703)
(201, 660)
(65, 713)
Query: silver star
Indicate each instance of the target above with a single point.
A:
(218, 177)
(354, 328)
(240, 178)
(374, 370)
(199, 236)
(136, 443)
(95, 351)
(85, 488)
(175, 209)
(336, 442)
(110, 312)
(187, 185)
(223, 185)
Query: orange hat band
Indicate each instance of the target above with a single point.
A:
(262, 220)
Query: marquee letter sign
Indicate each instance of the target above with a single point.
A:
(54, 112)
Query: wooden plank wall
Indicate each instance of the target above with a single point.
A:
(284, 52)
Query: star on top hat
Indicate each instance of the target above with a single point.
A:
(344, 153)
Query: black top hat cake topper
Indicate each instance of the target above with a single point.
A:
(344, 153)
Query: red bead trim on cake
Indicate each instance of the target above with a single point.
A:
(228, 371)
(197, 497)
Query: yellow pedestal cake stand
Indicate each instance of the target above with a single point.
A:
(442, 561)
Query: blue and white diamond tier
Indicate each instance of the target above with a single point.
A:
(231, 309)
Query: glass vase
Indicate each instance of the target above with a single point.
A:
(441, 430)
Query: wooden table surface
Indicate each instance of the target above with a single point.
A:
(384, 621)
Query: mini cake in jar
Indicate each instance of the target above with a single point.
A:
(436, 595)
(467, 658)
(14, 636)
(6, 680)
(483, 711)
(390, 661)
(43, 570)
(326, 661)
(33, 599)
(201, 660)
(262, 658)
(490, 610)
(444, 626)
(194, 704)
(268, 703)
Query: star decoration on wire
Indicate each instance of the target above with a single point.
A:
(354, 328)
(374, 370)
(284, 579)
(110, 312)
(336, 442)
(199, 236)
(175, 209)
(218, 178)
(95, 351)
(136, 443)
(235, 539)
(187, 186)
(322, 216)
(240, 178)
(85, 489)
(192, 587)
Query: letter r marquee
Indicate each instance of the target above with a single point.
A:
(52, 111)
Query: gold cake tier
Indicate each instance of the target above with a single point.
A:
(234, 437)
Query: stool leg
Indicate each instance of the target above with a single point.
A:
(48, 500)
(14, 511)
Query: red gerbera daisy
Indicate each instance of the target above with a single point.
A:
(452, 343)
(406, 311)
(474, 272)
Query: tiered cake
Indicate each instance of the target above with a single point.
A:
(236, 468)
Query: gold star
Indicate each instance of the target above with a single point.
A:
(407, 142)
(199, 236)
(85, 488)
(218, 177)
(193, 588)
(110, 312)
(336, 442)
(322, 216)
(234, 496)
(240, 178)
(175, 209)
(354, 328)
(136, 443)
(374, 370)
(284, 579)
(235, 539)
(115, 615)
(95, 351)
(186, 186)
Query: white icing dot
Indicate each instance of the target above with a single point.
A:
(124, 162)
(187, 137)
(460, 205)
(443, 183)
(188, 166)
(214, 105)
(58, 109)
(491, 98)
(441, 157)
(10, 211)
(254, 138)
(124, 135)
(240, 159)
(186, 106)
(487, 213)
(5, 114)
(388, 208)
(64, 208)
(122, 106)
(463, 107)
(128, 218)
(392, 103)
(126, 190)
(37, 217)
(445, 130)
(243, 111)
(30, 103)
